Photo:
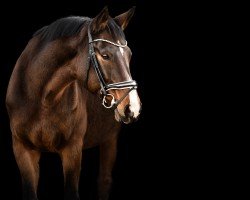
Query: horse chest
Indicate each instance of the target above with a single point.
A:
(50, 129)
(101, 124)
(48, 134)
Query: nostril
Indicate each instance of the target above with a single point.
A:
(131, 114)
(128, 112)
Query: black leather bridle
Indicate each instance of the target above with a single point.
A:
(130, 85)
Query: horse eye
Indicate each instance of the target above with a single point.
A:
(105, 57)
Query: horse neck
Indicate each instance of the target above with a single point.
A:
(82, 47)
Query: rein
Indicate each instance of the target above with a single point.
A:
(131, 85)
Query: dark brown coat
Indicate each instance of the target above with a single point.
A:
(54, 106)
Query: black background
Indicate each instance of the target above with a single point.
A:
(167, 151)
(134, 169)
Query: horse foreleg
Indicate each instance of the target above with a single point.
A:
(71, 159)
(107, 159)
(28, 163)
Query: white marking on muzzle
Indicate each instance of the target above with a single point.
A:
(134, 103)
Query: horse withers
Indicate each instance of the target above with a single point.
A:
(69, 90)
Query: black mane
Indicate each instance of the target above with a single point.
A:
(70, 26)
(64, 27)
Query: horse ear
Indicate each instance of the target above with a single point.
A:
(123, 19)
(100, 22)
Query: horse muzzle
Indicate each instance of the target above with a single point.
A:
(128, 114)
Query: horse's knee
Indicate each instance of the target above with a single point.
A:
(104, 187)
(105, 180)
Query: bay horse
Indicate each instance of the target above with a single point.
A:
(70, 90)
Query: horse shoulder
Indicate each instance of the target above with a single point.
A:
(17, 89)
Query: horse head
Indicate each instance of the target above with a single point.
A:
(110, 66)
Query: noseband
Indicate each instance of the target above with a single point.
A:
(130, 85)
